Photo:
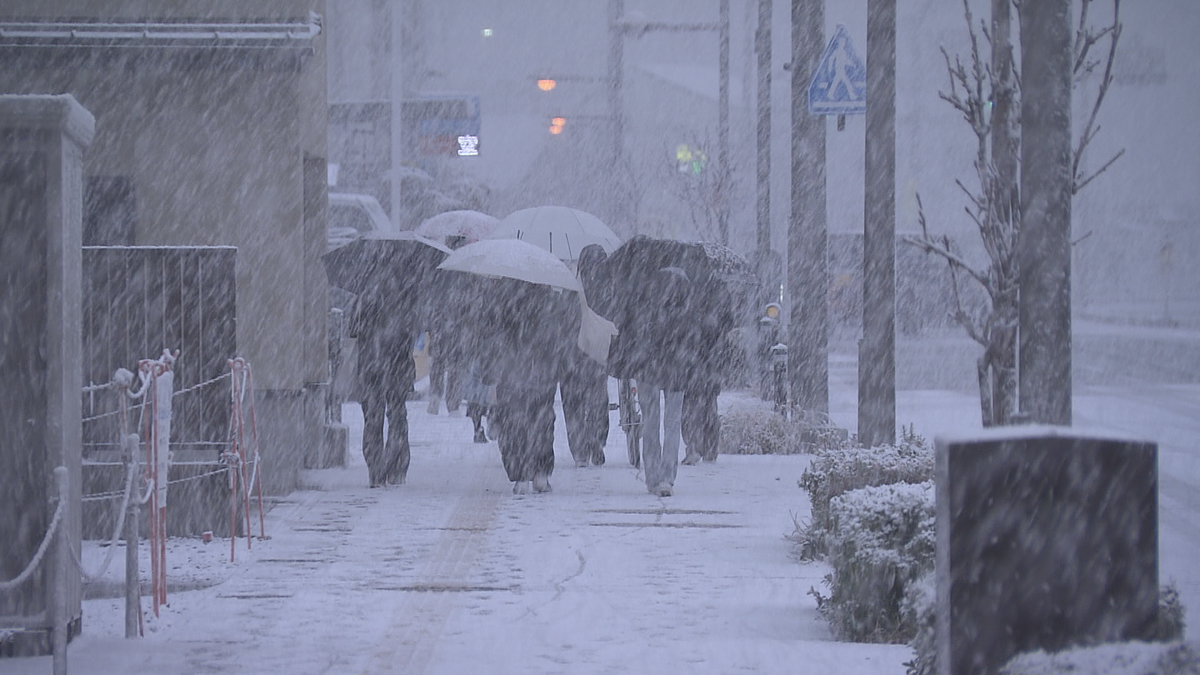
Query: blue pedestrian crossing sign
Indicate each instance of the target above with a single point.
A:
(839, 86)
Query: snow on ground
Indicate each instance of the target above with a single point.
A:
(451, 573)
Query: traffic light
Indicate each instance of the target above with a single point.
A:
(557, 124)
(690, 160)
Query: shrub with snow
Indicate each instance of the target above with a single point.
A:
(880, 540)
(763, 432)
(837, 470)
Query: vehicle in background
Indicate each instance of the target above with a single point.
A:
(354, 215)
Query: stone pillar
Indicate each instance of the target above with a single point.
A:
(42, 141)
(1046, 539)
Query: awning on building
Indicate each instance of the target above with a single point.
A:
(143, 34)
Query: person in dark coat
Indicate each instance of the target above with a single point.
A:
(584, 382)
(530, 327)
(654, 347)
(701, 424)
(383, 324)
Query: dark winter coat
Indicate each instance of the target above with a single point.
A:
(384, 325)
(525, 332)
(658, 332)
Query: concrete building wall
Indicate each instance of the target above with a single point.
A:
(223, 148)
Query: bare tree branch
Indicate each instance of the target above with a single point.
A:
(1086, 136)
(1079, 185)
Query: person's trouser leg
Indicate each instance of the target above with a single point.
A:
(398, 451)
(454, 388)
(672, 416)
(542, 430)
(710, 424)
(372, 441)
(575, 416)
(652, 450)
(691, 422)
(437, 375)
(596, 410)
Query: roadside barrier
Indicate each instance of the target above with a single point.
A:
(239, 454)
(155, 395)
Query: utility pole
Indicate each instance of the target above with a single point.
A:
(877, 351)
(762, 47)
(616, 78)
(407, 68)
(725, 188)
(807, 279)
(1044, 243)
(768, 264)
(397, 93)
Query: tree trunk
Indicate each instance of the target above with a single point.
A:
(985, 391)
(877, 351)
(808, 283)
(1044, 243)
(1005, 144)
(1004, 378)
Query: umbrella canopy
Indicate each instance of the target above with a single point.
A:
(471, 225)
(720, 274)
(643, 255)
(512, 259)
(392, 260)
(561, 230)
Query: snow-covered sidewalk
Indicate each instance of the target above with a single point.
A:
(452, 573)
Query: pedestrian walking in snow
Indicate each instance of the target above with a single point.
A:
(383, 324)
(707, 335)
(584, 383)
(531, 327)
(476, 394)
(445, 372)
(653, 347)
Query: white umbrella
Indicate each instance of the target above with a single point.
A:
(561, 230)
(473, 225)
(512, 259)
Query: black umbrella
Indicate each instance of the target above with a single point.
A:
(630, 269)
(389, 261)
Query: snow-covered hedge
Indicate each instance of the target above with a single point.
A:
(880, 540)
(762, 432)
(837, 470)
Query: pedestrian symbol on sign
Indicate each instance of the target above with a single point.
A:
(839, 85)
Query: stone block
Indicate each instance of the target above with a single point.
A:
(1046, 538)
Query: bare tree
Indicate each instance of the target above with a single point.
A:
(986, 92)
